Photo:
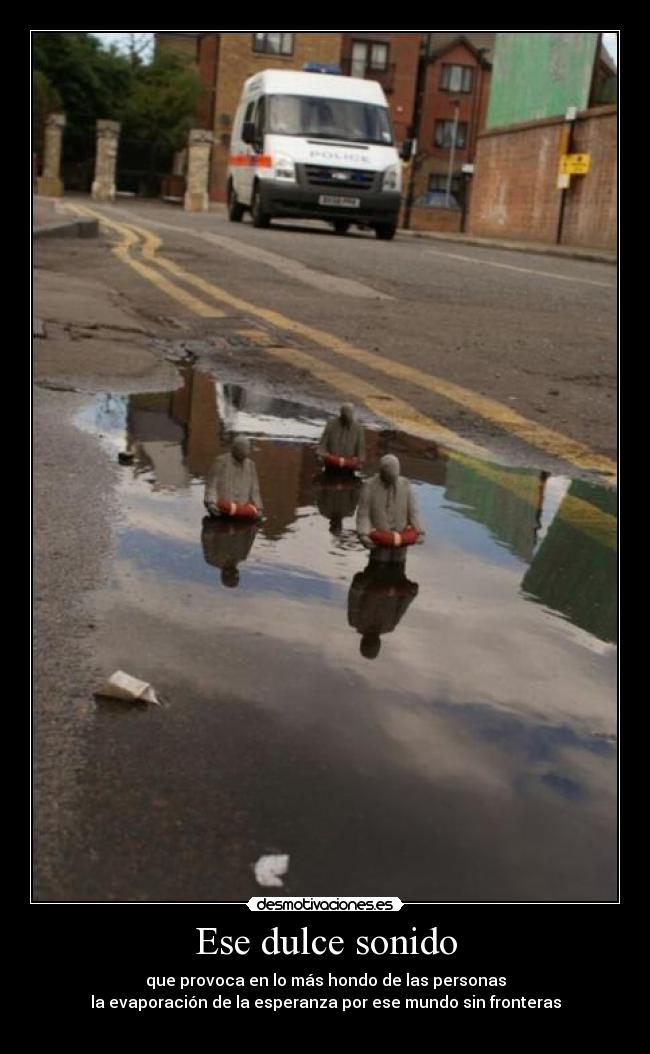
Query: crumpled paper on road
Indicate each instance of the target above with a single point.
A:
(268, 869)
(128, 689)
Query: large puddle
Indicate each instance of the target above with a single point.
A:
(444, 730)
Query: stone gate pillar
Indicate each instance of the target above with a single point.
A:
(198, 170)
(103, 188)
(50, 183)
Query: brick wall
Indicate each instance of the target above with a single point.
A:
(514, 191)
(590, 215)
(427, 218)
(208, 63)
(404, 53)
(398, 81)
(236, 62)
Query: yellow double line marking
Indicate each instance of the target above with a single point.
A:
(530, 432)
(576, 512)
(380, 402)
(385, 405)
(123, 252)
(580, 514)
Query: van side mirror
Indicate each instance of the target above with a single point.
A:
(248, 132)
(407, 150)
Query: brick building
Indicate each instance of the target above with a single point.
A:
(516, 193)
(225, 60)
(605, 83)
(454, 107)
(512, 191)
(240, 55)
(391, 59)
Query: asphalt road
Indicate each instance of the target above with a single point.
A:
(474, 756)
(535, 333)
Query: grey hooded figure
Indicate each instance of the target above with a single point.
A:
(233, 478)
(387, 503)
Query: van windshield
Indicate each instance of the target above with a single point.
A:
(354, 122)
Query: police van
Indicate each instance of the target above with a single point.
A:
(314, 146)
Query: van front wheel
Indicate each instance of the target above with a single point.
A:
(235, 210)
(386, 231)
(260, 218)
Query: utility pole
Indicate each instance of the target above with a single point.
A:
(420, 85)
(452, 152)
(566, 146)
(567, 138)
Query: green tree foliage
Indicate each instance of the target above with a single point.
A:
(163, 98)
(154, 101)
(92, 81)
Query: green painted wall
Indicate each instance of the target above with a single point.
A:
(539, 75)
(575, 574)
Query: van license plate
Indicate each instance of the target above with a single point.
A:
(348, 203)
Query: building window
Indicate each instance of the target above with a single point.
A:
(436, 194)
(438, 181)
(379, 57)
(444, 132)
(456, 78)
(273, 43)
(367, 56)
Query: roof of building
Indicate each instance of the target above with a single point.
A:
(182, 33)
(477, 41)
(608, 61)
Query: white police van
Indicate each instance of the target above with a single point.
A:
(314, 146)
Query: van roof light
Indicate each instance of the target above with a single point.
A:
(321, 67)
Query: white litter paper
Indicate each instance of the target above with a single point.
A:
(268, 869)
(129, 689)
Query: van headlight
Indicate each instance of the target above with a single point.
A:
(392, 178)
(285, 168)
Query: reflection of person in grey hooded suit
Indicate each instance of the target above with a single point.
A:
(227, 544)
(336, 498)
(377, 601)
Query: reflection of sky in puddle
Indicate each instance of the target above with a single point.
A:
(505, 520)
(452, 526)
(496, 670)
(277, 418)
(184, 561)
(486, 532)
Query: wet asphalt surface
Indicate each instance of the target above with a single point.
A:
(473, 758)
(537, 333)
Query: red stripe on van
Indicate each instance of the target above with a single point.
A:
(251, 160)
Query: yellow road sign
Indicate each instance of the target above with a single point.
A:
(575, 164)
